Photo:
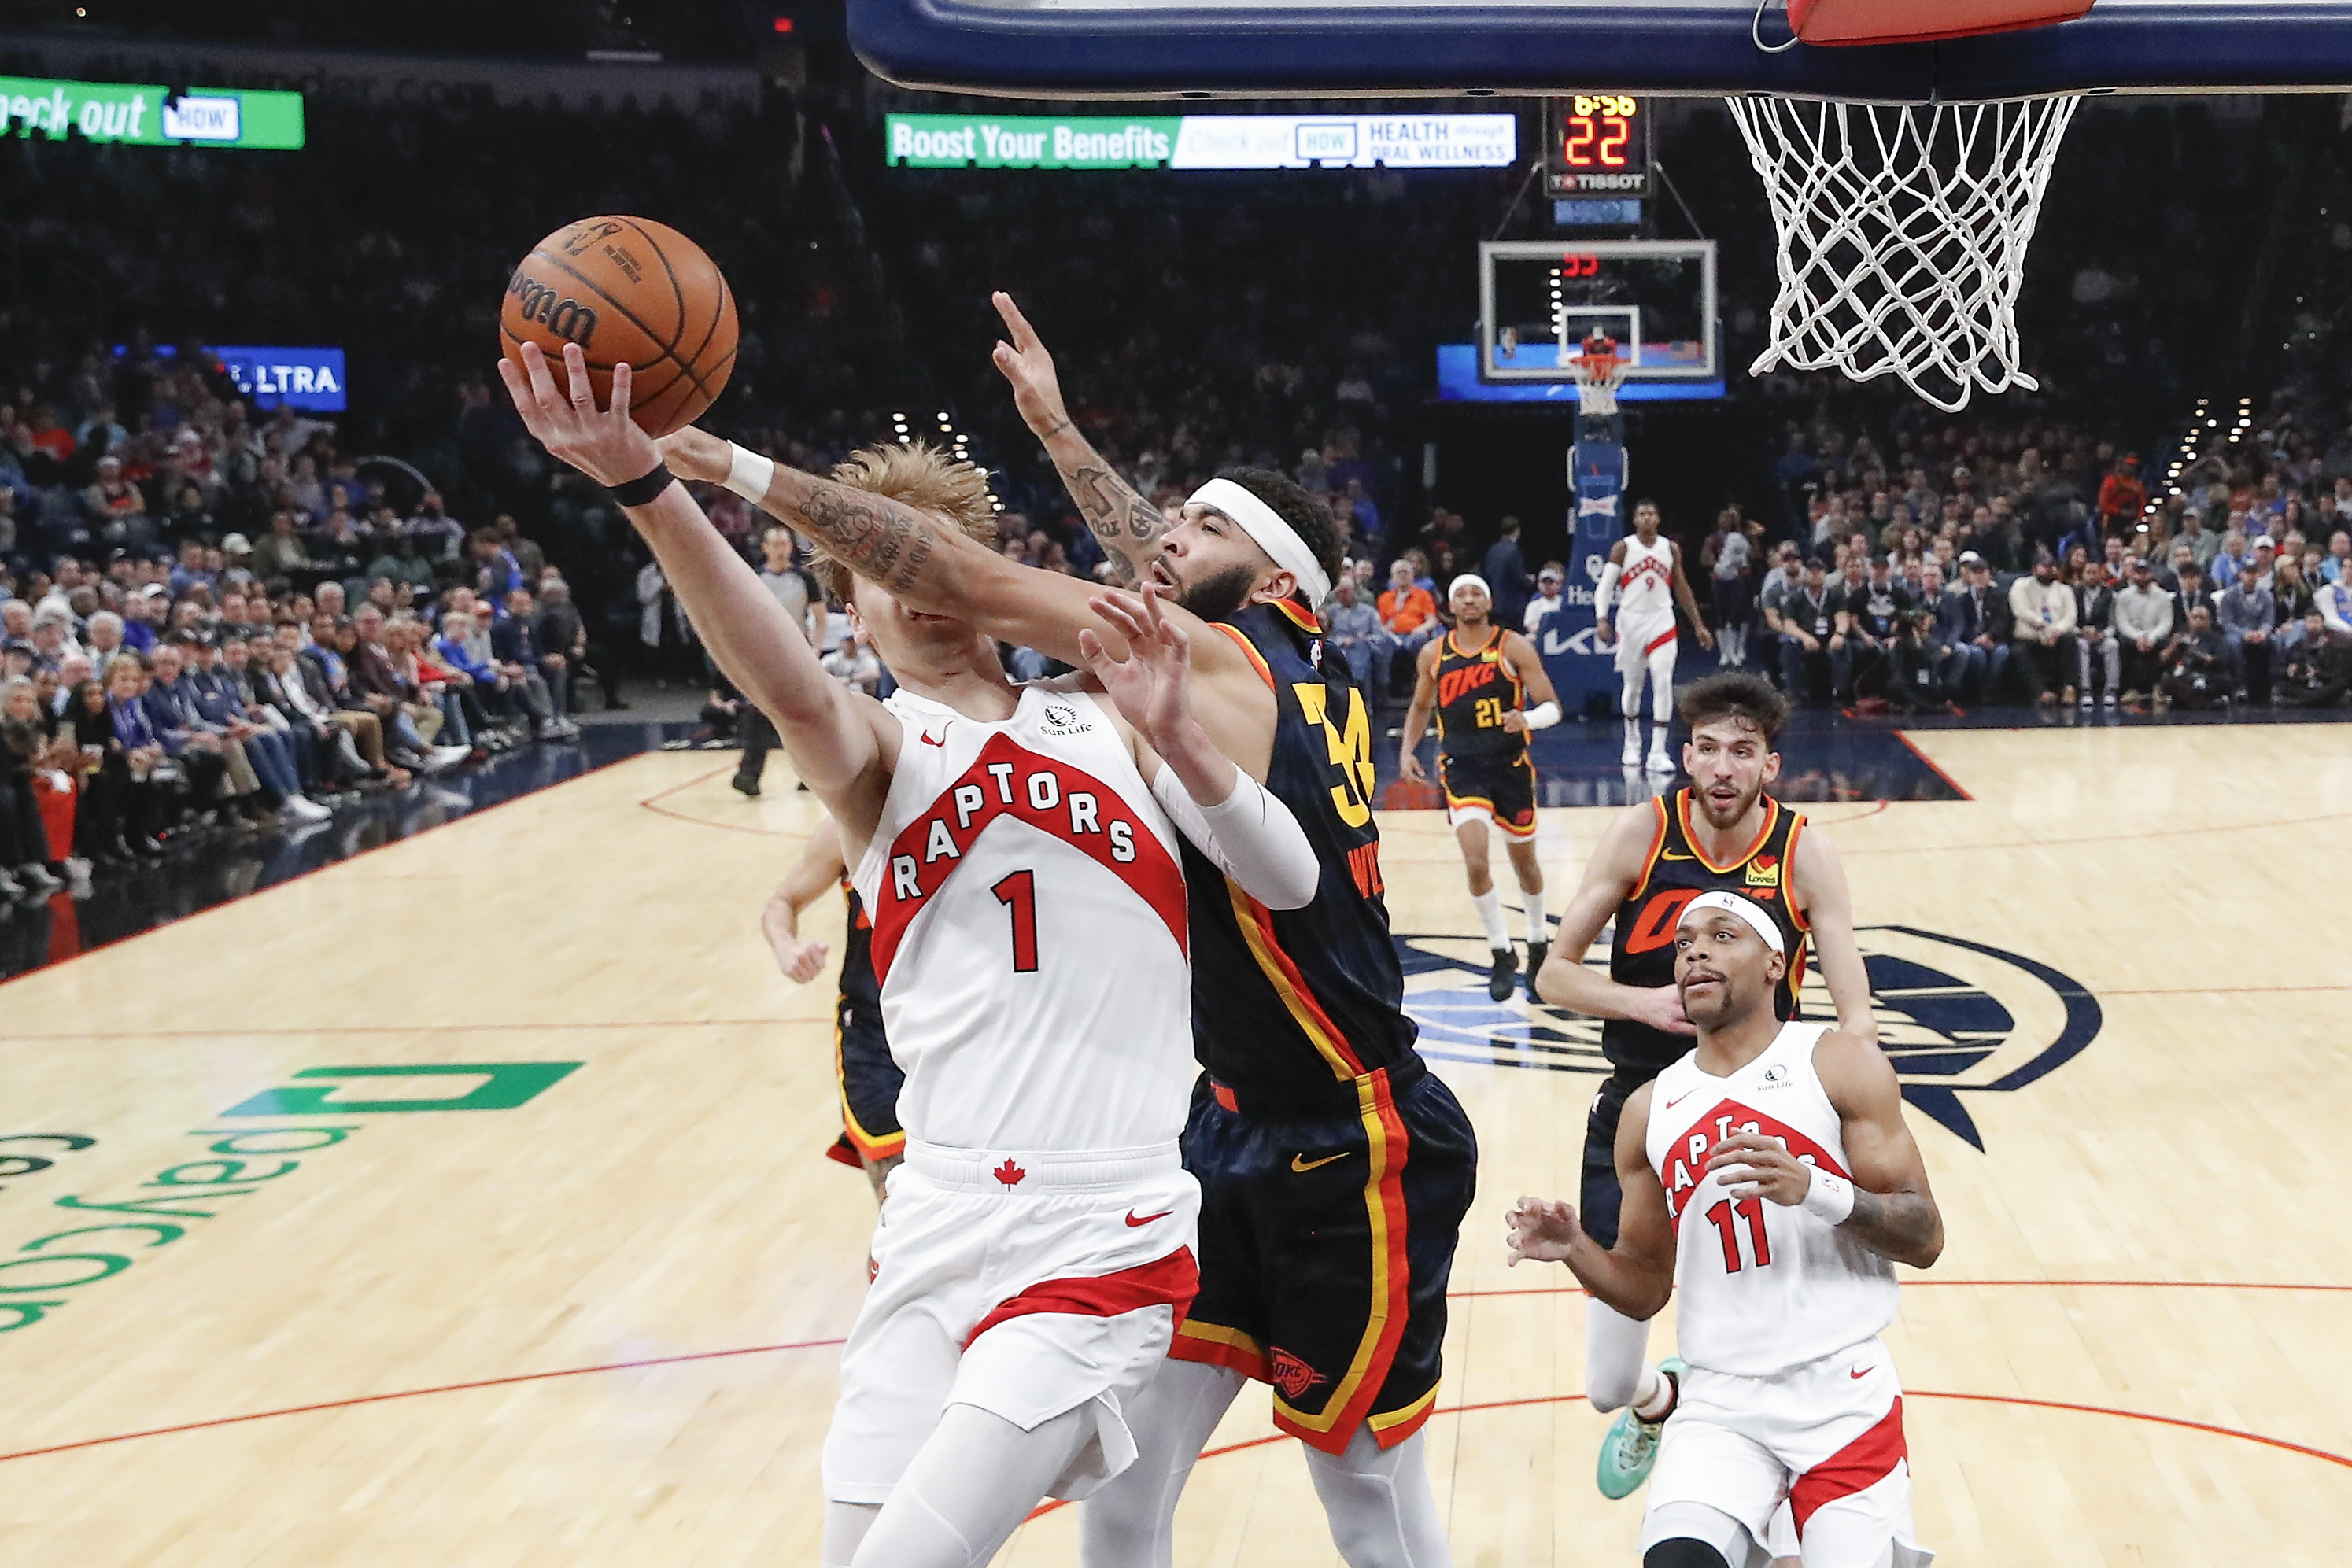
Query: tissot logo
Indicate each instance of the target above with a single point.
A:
(1958, 1018)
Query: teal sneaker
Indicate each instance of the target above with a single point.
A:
(1630, 1448)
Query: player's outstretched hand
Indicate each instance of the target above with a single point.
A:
(1540, 1229)
(1750, 1163)
(1036, 387)
(800, 961)
(1410, 769)
(693, 454)
(1152, 685)
(604, 444)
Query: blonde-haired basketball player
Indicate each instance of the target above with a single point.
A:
(1643, 582)
(1038, 1248)
(1771, 1176)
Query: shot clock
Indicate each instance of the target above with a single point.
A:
(1596, 144)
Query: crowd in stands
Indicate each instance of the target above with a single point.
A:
(210, 621)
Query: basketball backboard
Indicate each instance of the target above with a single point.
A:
(1538, 300)
(1146, 49)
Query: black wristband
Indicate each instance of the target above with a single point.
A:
(638, 492)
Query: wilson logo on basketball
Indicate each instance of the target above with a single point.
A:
(564, 317)
(1292, 1375)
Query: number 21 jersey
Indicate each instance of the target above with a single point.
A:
(1029, 931)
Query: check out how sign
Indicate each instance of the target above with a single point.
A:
(150, 116)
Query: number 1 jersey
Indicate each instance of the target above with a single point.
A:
(1029, 931)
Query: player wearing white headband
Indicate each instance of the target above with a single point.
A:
(1769, 1175)
(1334, 1168)
(1489, 691)
(1723, 833)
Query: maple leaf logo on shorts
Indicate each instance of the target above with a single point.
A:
(1294, 1376)
(1008, 1173)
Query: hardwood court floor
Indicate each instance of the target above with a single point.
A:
(599, 1326)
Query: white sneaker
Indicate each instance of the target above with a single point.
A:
(9, 887)
(450, 756)
(1659, 762)
(35, 878)
(303, 809)
(1632, 757)
(2109, 701)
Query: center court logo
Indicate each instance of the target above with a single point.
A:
(1958, 1018)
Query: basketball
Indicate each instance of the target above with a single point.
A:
(627, 289)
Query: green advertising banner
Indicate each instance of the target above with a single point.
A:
(149, 116)
(1203, 141)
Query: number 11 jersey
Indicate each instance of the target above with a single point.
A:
(1029, 931)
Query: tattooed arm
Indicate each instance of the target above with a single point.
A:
(937, 569)
(1128, 526)
(843, 746)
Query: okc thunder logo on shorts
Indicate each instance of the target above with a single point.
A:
(1292, 1375)
(1958, 1018)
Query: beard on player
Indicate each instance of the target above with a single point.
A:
(1725, 973)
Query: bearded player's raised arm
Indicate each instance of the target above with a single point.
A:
(936, 570)
(1122, 520)
(841, 744)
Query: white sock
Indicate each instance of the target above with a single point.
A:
(1633, 730)
(1651, 1395)
(1489, 905)
(1538, 928)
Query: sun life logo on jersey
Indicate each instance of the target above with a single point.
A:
(1062, 718)
(1958, 1018)
(1776, 1077)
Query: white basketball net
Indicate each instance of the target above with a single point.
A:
(1902, 231)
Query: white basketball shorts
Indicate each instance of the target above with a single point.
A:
(1826, 1436)
(1026, 1284)
(1638, 639)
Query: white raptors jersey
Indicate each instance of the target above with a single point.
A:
(1645, 584)
(1764, 1286)
(1029, 933)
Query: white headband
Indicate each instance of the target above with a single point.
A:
(1739, 908)
(1276, 537)
(1473, 578)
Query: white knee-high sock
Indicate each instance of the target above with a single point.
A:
(1489, 905)
(1538, 925)
(846, 1524)
(1616, 1352)
(1662, 693)
(1378, 1501)
(1130, 1521)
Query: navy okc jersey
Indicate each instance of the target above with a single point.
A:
(1474, 692)
(1290, 1001)
(1642, 952)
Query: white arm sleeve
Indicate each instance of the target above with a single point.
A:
(1543, 717)
(1607, 592)
(1249, 835)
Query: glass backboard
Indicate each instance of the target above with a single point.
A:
(1540, 299)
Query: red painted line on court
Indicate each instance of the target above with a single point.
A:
(1952, 783)
(704, 821)
(416, 1393)
(2308, 1452)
